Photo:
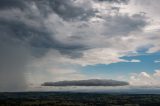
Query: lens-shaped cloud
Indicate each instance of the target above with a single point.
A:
(90, 82)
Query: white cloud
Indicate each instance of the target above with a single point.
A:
(106, 37)
(150, 9)
(145, 79)
(98, 56)
(157, 61)
(157, 73)
(103, 49)
(135, 61)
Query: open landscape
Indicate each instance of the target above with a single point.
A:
(77, 99)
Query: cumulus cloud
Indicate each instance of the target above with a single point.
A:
(90, 82)
(157, 73)
(145, 79)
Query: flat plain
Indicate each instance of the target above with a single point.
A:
(77, 99)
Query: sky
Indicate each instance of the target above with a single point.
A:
(66, 40)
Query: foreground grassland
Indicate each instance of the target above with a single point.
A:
(77, 99)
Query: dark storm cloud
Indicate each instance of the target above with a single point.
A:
(91, 82)
(28, 28)
(117, 1)
(8, 4)
(23, 35)
(65, 9)
(18, 32)
(124, 24)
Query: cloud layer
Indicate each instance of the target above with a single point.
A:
(145, 79)
(91, 82)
